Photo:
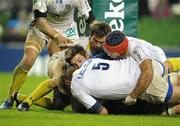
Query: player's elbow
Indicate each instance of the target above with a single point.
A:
(40, 22)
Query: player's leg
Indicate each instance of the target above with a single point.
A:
(59, 101)
(173, 64)
(45, 102)
(174, 80)
(41, 90)
(52, 48)
(33, 47)
(55, 69)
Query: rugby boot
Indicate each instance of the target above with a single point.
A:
(23, 107)
(7, 104)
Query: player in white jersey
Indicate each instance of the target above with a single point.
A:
(119, 46)
(98, 32)
(115, 79)
(53, 22)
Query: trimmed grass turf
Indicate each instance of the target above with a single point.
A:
(42, 117)
(51, 118)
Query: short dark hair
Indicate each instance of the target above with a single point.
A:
(99, 29)
(72, 51)
(115, 38)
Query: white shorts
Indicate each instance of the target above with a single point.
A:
(34, 41)
(160, 89)
(55, 64)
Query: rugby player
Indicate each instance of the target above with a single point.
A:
(54, 23)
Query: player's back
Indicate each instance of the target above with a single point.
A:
(107, 78)
(137, 45)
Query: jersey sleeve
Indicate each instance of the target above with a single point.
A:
(83, 7)
(140, 54)
(40, 5)
(78, 92)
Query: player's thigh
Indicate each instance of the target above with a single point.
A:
(32, 48)
(34, 41)
(56, 64)
(174, 79)
(52, 47)
(157, 89)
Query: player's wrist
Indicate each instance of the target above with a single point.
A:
(55, 36)
(132, 98)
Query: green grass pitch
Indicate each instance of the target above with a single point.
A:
(41, 117)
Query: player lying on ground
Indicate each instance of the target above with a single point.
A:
(118, 46)
(105, 79)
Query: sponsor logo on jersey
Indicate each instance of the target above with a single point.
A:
(138, 55)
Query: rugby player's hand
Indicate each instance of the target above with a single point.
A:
(129, 100)
(62, 41)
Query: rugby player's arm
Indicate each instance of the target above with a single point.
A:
(99, 109)
(84, 8)
(87, 100)
(144, 79)
(42, 24)
(91, 18)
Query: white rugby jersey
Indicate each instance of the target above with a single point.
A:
(140, 49)
(106, 79)
(60, 15)
(61, 11)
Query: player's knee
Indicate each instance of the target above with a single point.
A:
(26, 65)
(54, 83)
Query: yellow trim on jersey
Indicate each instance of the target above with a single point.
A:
(88, 49)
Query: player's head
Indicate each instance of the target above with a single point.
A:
(98, 32)
(66, 78)
(76, 55)
(116, 45)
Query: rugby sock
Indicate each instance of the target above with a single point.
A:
(44, 102)
(20, 97)
(19, 77)
(176, 63)
(171, 111)
(42, 89)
